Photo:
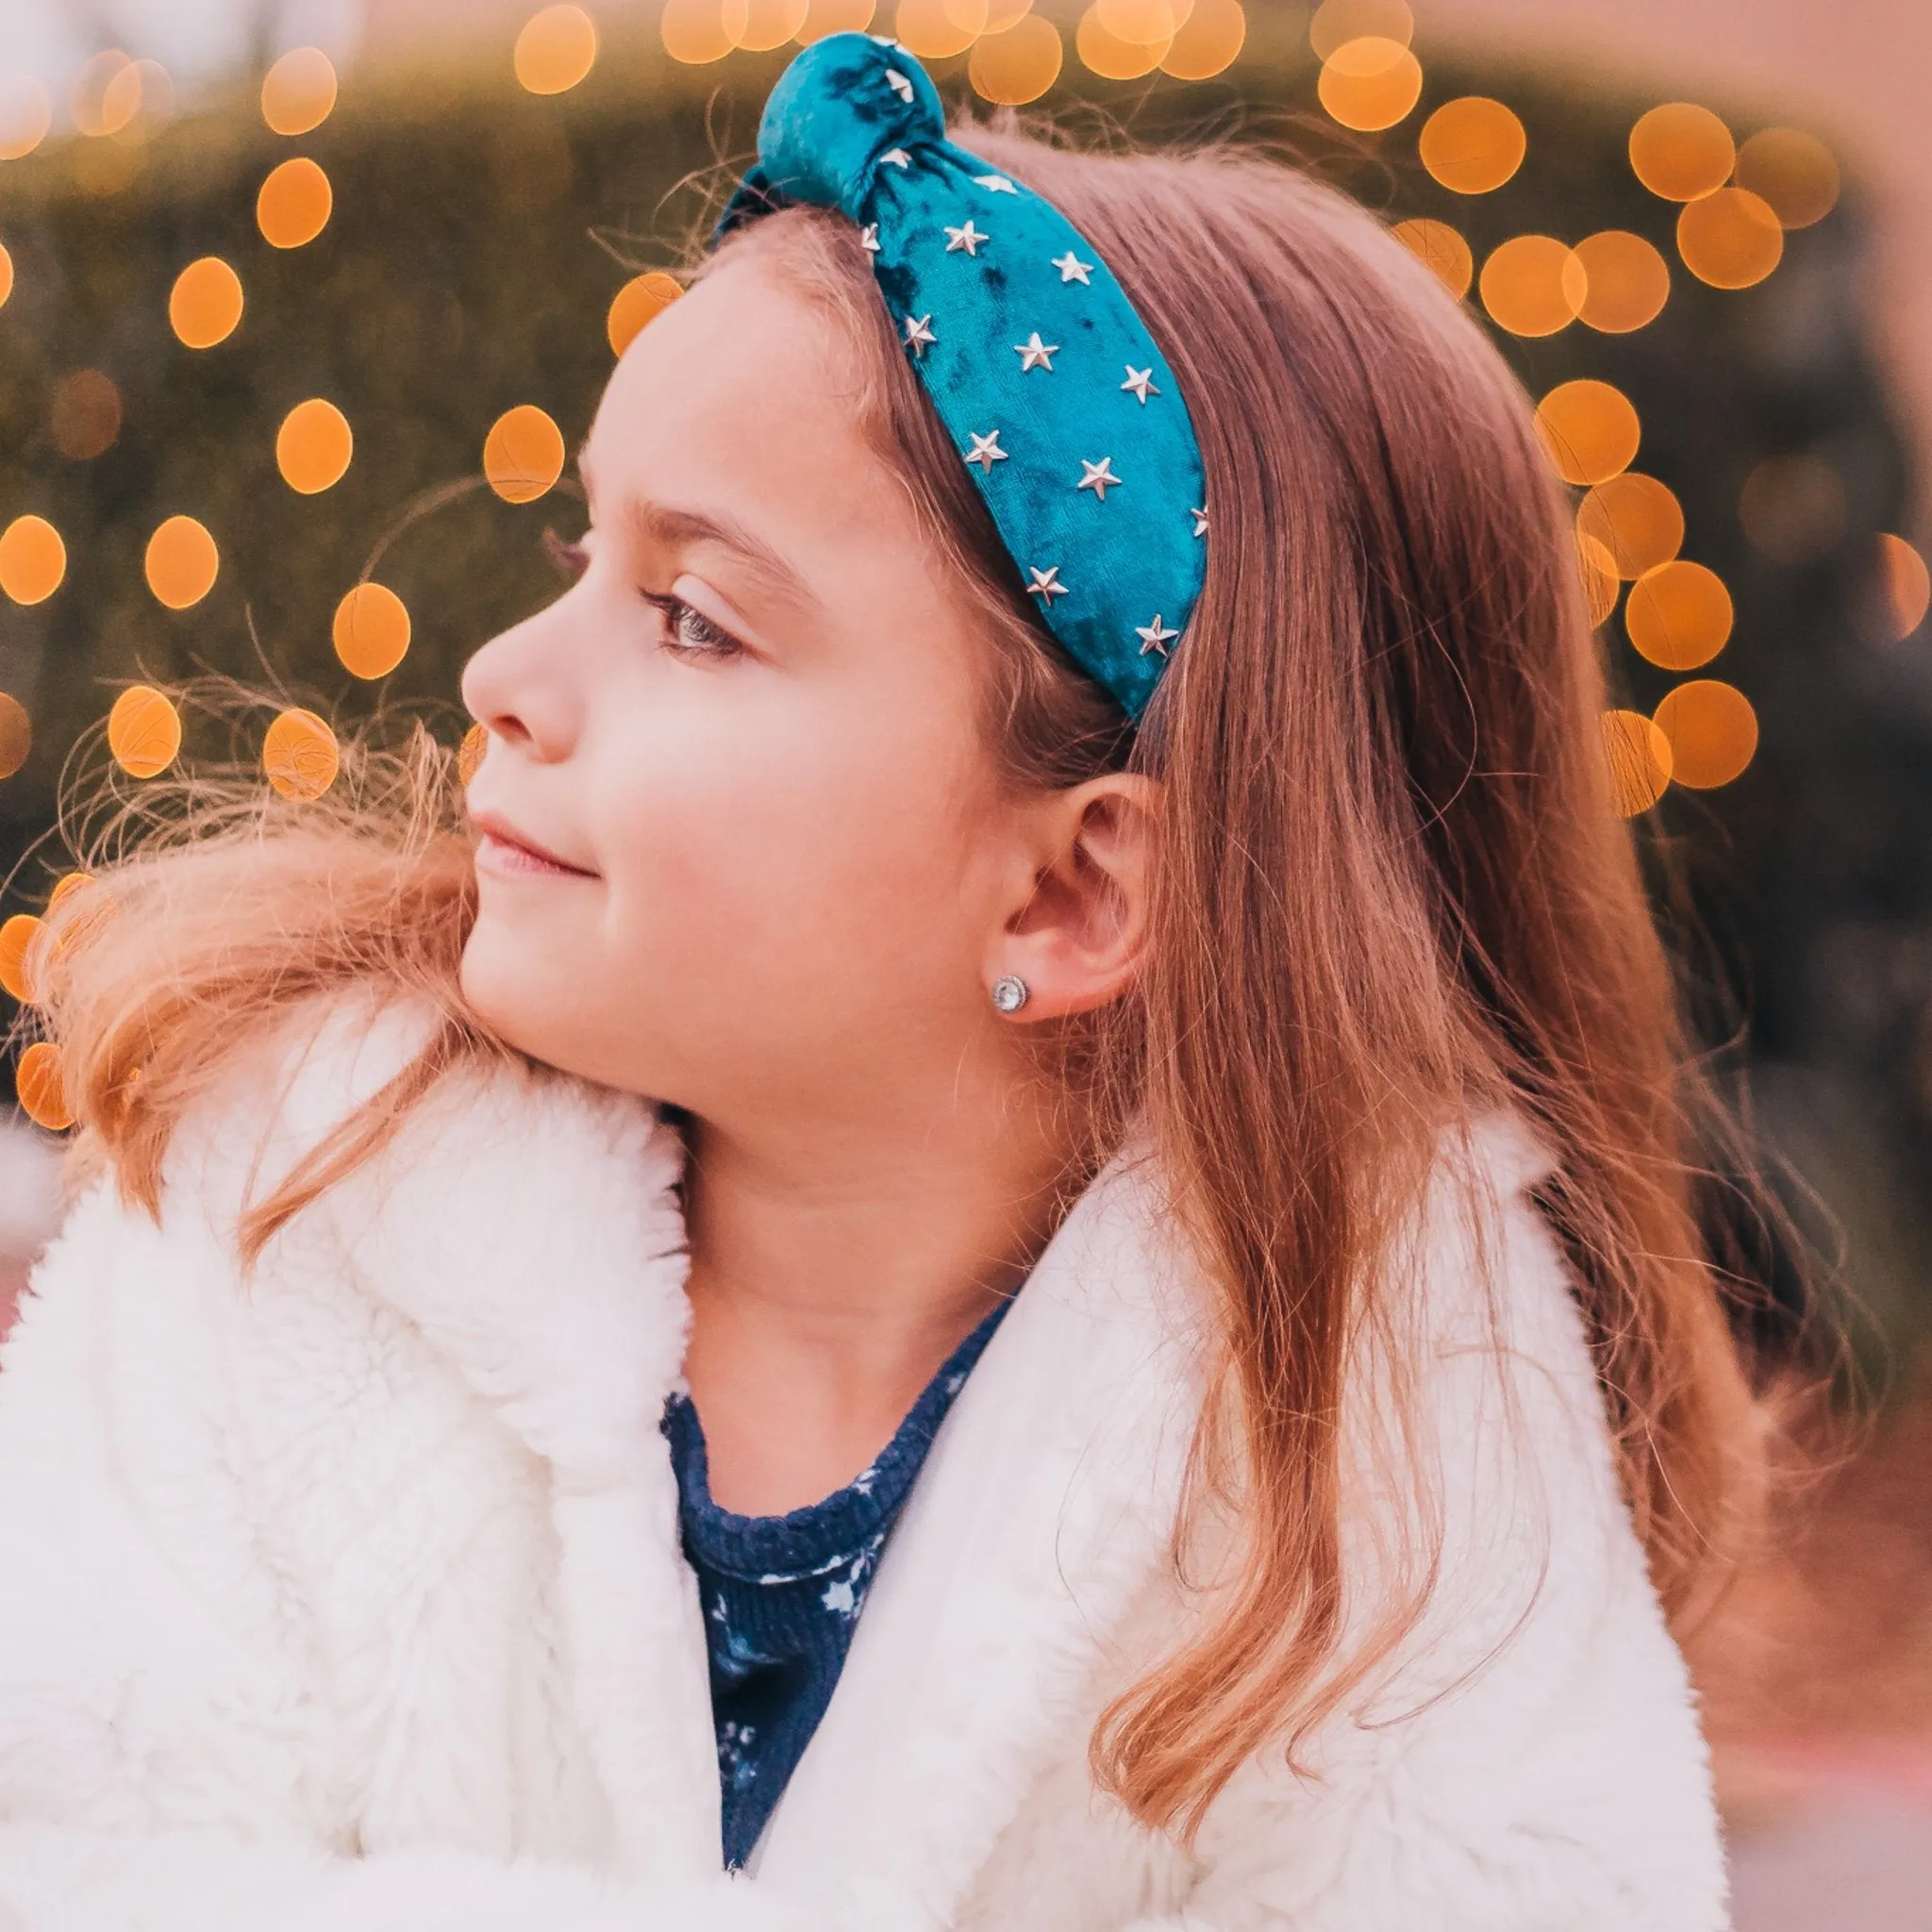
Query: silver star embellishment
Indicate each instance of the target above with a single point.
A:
(966, 236)
(1142, 382)
(898, 156)
(919, 334)
(1046, 583)
(986, 450)
(1154, 637)
(869, 238)
(1034, 352)
(996, 184)
(1098, 477)
(1200, 517)
(898, 83)
(1073, 270)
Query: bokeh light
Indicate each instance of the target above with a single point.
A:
(758, 26)
(823, 17)
(1793, 508)
(86, 415)
(934, 29)
(556, 49)
(204, 304)
(522, 455)
(25, 114)
(299, 754)
(43, 1091)
(476, 741)
(1640, 758)
(294, 204)
(138, 97)
(1438, 244)
(143, 731)
(1533, 286)
(314, 446)
(1730, 238)
(1338, 22)
(16, 734)
(693, 31)
(182, 562)
(1713, 732)
(1681, 151)
(16, 935)
(6, 276)
(1111, 55)
(1794, 173)
(1472, 147)
(1017, 64)
(1601, 583)
(298, 92)
(1906, 583)
(1207, 41)
(86, 97)
(1589, 429)
(33, 559)
(1627, 280)
(371, 632)
(1638, 520)
(1678, 615)
(642, 299)
(1370, 84)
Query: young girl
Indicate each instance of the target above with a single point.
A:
(1014, 1249)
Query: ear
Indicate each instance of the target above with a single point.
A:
(1080, 927)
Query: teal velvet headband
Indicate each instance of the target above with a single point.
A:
(1050, 385)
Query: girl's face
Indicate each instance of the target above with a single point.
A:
(749, 731)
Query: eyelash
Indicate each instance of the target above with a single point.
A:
(711, 640)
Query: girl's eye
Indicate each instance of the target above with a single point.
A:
(690, 630)
(572, 559)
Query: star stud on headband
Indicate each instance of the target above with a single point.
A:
(1098, 477)
(1073, 270)
(1142, 382)
(1153, 637)
(966, 236)
(995, 184)
(986, 450)
(899, 83)
(1033, 354)
(1200, 517)
(869, 238)
(919, 334)
(1047, 584)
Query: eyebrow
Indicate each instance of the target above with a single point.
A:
(668, 525)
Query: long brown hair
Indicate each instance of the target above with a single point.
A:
(1393, 889)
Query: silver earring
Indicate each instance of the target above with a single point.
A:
(1009, 993)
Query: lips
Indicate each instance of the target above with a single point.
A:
(502, 848)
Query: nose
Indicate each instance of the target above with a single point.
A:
(518, 686)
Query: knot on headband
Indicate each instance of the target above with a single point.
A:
(1049, 383)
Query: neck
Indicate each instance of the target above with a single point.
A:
(833, 1270)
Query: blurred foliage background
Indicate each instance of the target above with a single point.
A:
(479, 232)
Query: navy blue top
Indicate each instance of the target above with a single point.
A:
(782, 1593)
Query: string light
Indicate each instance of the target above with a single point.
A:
(371, 632)
(1590, 431)
(204, 304)
(43, 1091)
(641, 300)
(556, 49)
(300, 757)
(181, 563)
(1639, 758)
(1628, 281)
(298, 92)
(823, 17)
(26, 115)
(143, 731)
(314, 446)
(1638, 520)
(1793, 172)
(1370, 84)
(16, 734)
(1906, 585)
(33, 559)
(1019, 63)
(1533, 286)
(758, 26)
(86, 416)
(1681, 151)
(1712, 731)
(1207, 42)
(1678, 615)
(1438, 244)
(522, 455)
(1473, 146)
(1730, 238)
(693, 31)
(294, 204)
(938, 29)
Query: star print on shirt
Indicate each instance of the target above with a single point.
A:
(986, 450)
(1200, 517)
(899, 83)
(869, 238)
(1142, 382)
(1046, 583)
(1073, 270)
(1098, 477)
(966, 236)
(898, 156)
(1033, 353)
(1154, 637)
(919, 334)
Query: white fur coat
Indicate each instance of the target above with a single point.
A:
(348, 1598)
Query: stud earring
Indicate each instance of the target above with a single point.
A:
(1009, 993)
